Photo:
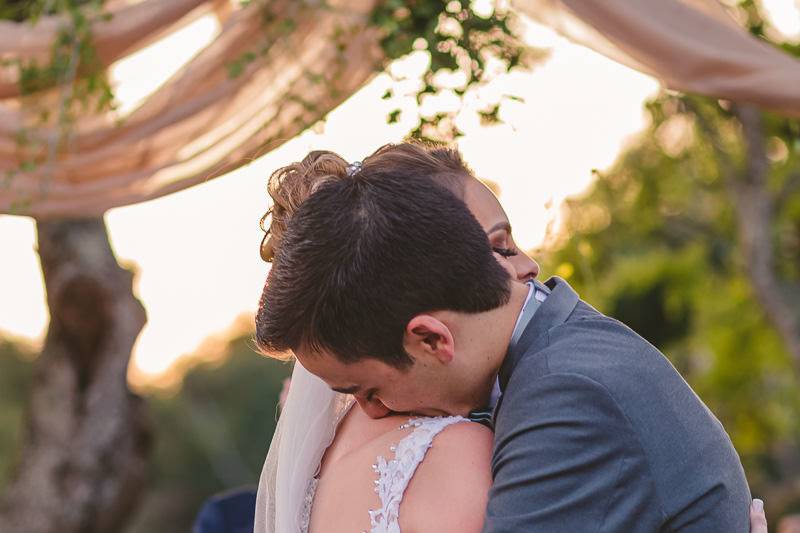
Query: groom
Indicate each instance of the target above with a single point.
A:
(386, 288)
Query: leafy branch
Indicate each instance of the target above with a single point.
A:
(73, 68)
(459, 39)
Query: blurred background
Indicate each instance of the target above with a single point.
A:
(130, 390)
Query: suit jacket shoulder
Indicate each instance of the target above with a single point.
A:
(685, 460)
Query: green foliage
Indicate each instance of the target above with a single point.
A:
(16, 373)
(212, 435)
(73, 67)
(31, 10)
(72, 51)
(73, 59)
(655, 243)
(458, 38)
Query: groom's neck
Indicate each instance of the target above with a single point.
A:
(510, 315)
(493, 330)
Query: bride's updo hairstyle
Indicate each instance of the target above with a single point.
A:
(358, 250)
(289, 186)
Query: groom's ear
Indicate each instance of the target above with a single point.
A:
(427, 336)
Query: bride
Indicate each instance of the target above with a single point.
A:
(340, 461)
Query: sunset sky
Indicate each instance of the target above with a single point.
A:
(196, 252)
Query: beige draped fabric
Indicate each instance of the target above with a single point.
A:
(130, 28)
(690, 45)
(202, 122)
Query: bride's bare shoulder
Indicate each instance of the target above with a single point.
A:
(358, 433)
(450, 488)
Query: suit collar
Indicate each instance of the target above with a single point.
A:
(553, 311)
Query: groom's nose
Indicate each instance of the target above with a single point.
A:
(373, 408)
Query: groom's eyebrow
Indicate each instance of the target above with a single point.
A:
(347, 390)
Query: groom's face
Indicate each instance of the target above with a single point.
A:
(381, 389)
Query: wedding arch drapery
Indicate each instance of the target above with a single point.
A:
(131, 27)
(203, 123)
(690, 45)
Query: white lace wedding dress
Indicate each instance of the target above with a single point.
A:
(393, 475)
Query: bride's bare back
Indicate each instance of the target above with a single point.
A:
(448, 491)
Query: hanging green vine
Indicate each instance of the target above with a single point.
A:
(459, 37)
(73, 58)
(73, 68)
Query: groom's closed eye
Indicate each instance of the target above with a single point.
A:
(355, 389)
(347, 390)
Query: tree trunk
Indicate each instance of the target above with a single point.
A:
(755, 207)
(86, 439)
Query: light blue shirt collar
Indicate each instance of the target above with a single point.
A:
(537, 293)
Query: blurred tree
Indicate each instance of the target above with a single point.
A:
(215, 426)
(16, 372)
(214, 432)
(693, 239)
(86, 437)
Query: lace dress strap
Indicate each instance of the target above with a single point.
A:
(395, 474)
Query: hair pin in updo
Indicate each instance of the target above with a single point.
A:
(353, 168)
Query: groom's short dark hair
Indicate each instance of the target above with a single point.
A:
(363, 255)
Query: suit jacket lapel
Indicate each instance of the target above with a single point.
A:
(554, 311)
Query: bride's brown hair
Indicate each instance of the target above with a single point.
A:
(289, 186)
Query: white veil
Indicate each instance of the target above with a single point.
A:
(305, 429)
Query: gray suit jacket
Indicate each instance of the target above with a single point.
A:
(597, 432)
